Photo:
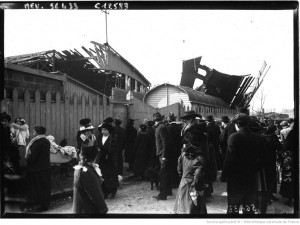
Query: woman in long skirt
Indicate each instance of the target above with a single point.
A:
(192, 169)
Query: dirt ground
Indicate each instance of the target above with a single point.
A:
(135, 197)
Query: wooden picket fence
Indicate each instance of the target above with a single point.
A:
(61, 115)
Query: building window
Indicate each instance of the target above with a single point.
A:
(132, 84)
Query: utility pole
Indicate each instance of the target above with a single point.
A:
(106, 33)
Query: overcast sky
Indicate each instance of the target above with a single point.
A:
(157, 41)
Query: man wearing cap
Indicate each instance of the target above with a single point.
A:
(242, 163)
(163, 148)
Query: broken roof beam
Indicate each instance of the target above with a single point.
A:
(247, 82)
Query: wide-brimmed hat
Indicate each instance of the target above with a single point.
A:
(107, 126)
(85, 124)
(108, 120)
(190, 114)
(21, 120)
(5, 116)
(241, 118)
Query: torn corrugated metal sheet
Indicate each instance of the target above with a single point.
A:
(230, 88)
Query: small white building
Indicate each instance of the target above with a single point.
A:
(167, 94)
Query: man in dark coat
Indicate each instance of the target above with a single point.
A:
(228, 130)
(213, 134)
(120, 142)
(130, 135)
(273, 148)
(163, 148)
(176, 145)
(38, 170)
(142, 151)
(242, 163)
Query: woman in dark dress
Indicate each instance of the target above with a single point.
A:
(108, 159)
(142, 150)
(38, 175)
(192, 169)
(88, 196)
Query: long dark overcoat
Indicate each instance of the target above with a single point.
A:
(108, 161)
(243, 161)
(273, 147)
(38, 175)
(130, 135)
(142, 149)
(120, 142)
(192, 169)
(88, 196)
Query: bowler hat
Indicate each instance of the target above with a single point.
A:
(241, 118)
(107, 126)
(190, 114)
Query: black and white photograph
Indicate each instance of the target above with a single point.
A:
(150, 109)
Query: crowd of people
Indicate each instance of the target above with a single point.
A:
(186, 154)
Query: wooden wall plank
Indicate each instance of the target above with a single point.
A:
(76, 119)
(71, 123)
(58, 124)
(43, 115)
(90, 107)
(26, 106)
(62, 120)
(15, 112)
(98, 109)
(67, 118)
(53, 121)
(32, 117)
(79, 110)
(48, 113)
(21, 107)
(83, 105)
(37, 108)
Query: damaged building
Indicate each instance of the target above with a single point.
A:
(56, 89)
(219, 94)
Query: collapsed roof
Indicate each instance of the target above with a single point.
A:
(230, 88)
(102, 68)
